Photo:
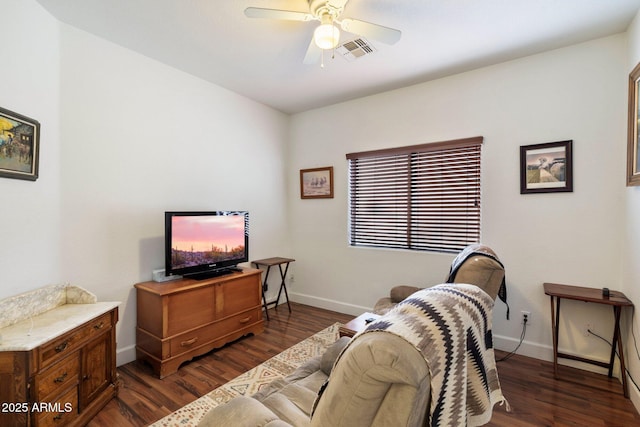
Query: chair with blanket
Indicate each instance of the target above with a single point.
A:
(389, 374)
(476, 265)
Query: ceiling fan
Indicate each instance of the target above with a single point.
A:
(327, 35)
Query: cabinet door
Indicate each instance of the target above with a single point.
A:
(14, 376)
(190, 309)
(96, 368)
(238, 295)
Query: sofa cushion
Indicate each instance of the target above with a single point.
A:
(332, 353)
(293, 403)
(292, 397)
(400, 292)
(241, 411)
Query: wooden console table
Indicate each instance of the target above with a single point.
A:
(57, 367)
(185, 318)
(270, 262)
(615, 299)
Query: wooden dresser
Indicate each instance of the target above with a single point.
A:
(181, 319)
(58, 368)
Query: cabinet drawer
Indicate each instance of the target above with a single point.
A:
(238, 322)
(70, 341)
(58, 377)
(59, 412)
(201, 336)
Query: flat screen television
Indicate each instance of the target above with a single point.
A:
(200, 245)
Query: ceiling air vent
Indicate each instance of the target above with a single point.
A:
(355, 49)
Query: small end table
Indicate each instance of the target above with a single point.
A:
(615, 299)
(270, 262)
(357, 325)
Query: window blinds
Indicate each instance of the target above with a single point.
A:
(423, 197)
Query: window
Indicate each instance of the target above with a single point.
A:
(423, 197)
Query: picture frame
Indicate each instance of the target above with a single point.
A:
(633, 130)
(546, 168)
(19, 146)
(316, 183)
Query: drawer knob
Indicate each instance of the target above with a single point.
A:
(58, 417)
(98, 326)
(245, 320)
(187, 343)
(60, 379)
(61, 347)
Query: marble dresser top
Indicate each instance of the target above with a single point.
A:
(37, 330)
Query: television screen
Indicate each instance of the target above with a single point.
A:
(205, 243)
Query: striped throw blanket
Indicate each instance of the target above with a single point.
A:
(450, 325)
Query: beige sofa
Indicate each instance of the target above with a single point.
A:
(380, 379)
(396, 393)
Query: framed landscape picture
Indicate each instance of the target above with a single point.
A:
(633, 130)
(316, 183)
(19, 146)
(546, 168)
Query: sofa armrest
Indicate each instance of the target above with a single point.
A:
(400, 292)
(379, 380)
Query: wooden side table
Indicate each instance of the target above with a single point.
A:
(357, 325)
(270, 262)
(615, 299)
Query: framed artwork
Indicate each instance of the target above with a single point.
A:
(19, 146)
(316, 183)
(633, 132)
(546, 168)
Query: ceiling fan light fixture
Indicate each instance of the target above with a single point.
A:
(326, 35)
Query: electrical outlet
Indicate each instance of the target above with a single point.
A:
(587, 327)
(525, 315)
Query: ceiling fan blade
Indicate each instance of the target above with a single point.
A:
(338, 4)
(371, 31)
(289, 15)
(313, 55)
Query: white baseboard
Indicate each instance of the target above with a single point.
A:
(545, 352)
(328, 304)
(125, 355)
(528, 348)
(634, 395)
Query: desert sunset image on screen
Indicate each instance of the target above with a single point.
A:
(198, 240)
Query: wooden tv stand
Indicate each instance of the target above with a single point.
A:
(181, 319)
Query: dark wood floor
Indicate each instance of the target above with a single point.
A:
(536, 398)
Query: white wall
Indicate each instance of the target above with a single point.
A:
(141, 138)
(631, 241)
(30, 211)
(124, 138)
(574, 93)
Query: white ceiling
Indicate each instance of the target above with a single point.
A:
(262, 59)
